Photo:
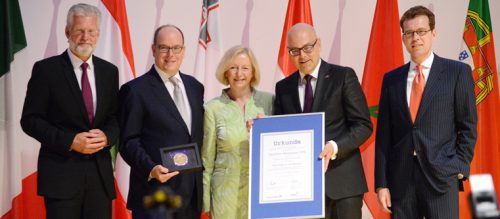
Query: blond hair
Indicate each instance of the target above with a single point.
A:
(227, 60)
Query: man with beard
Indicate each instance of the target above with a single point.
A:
(70, 108)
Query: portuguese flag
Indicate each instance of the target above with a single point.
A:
(478, 51)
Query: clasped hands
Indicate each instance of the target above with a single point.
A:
(89, 142)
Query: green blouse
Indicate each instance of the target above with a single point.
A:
(225, 153)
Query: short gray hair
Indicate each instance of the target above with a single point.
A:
(85, 10)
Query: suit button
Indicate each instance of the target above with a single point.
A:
(414, 127)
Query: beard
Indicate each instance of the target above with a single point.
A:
(81, 50)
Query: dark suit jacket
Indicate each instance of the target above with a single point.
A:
(347, 122)
(149, 120)
(54, 112)
(444, 132)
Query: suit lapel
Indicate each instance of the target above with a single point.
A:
(161, 92)
(191, 99)
(294, 91)
(430, 90)
(401, 91)
(325, 75)
(99, 84)
(70, 76)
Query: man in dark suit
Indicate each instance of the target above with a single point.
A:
(334, 90)
(426, 128)
(70, 109)
(151, 117)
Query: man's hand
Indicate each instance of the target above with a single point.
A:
(99, 136)
(161, 173)
(89, 142)
(384, 199)
(326, 155)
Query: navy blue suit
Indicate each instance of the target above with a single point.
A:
(443, 134)
(149, 120)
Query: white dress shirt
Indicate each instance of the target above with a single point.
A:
(302, 94)
(412, 72)
(170, 87)
(77, 62)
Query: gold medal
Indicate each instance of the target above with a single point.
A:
(180, 159)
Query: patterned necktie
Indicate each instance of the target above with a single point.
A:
(179, 101)
(417, 89)
(87, 92)
(308, 96)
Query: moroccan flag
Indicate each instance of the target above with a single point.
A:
(384, 53)
(479, 52)
(115, 46)
(208, 53)
(18, 197)
(298, 11)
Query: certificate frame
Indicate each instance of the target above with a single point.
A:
(183, 158)
(294, 140)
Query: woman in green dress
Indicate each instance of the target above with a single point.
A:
(225, 142)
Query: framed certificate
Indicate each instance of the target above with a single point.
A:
(183, 158)
(286, 177)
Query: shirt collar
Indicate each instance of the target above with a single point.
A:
(77, 62)
(427, 63)
(164, 76)
(314, 73)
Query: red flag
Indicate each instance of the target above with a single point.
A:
(116, 47)
(298, 11)
(479, 52)
(385, 53)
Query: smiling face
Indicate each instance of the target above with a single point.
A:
(300, 36)
(240, 72)
(419, 47)
(169, 61)
(82, 36)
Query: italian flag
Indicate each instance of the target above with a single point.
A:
(385, 52)
(18, 152)
(478, 50)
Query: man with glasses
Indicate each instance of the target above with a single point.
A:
(318, 86)
(426, 129)
(70, 108)
(162, 108)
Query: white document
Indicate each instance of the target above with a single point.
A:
(286, 168)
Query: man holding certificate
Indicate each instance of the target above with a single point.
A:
(318, 86)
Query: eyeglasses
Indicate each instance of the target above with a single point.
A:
(81, 32)
(166, 49)
(307, 49)
(410, 34)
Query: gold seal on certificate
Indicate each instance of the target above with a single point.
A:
(180, 159)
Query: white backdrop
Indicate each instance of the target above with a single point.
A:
(347, 23)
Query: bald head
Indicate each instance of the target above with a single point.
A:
(301, 28)
(304, 47)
